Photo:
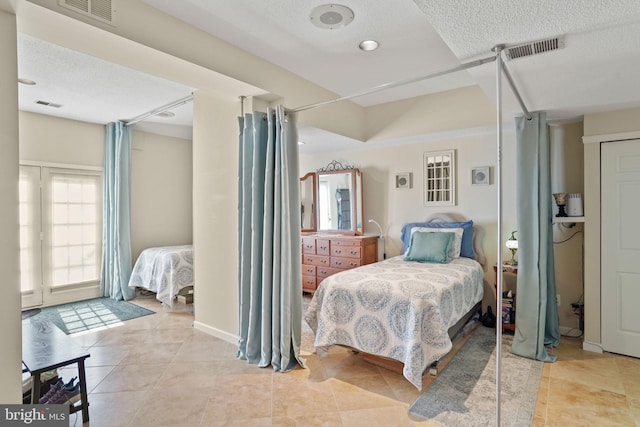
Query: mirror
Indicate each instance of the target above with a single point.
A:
(308, 202)
(440, 178)
(339, 199)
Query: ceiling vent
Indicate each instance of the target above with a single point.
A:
(102, 10)
(48, 104)
(534, 48)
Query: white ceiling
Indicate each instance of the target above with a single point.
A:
(597, 69)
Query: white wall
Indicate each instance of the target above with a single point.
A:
(393, 207)
(161, 173)
(10, 366)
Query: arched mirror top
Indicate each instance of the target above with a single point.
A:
(339, 194)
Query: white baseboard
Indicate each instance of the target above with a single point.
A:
(590, 346)
(225, 336)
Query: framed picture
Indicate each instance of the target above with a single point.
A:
(480, 175)
(403, 180)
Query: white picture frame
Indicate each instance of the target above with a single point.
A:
(403, 180)
(481, 175)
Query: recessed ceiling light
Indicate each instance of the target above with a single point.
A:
(368, 45)
(331, 16)
(26, 81)
(166, 114)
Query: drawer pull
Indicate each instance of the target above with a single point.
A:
(323, 247)
(338, 251)
(324, 261)
(338, 262)
(353, 253)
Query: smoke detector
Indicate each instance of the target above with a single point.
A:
(331, 16)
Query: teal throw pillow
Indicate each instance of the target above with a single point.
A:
(430, 247)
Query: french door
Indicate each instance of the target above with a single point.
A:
(60, 234)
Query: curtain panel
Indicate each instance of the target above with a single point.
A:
(116, 217)
(270, 278)
(537, 323)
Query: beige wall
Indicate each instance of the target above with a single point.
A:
(607, 124)
(161, 173)
(215, 214)
(10, 354)
(161, 192)
(567, 156)
(54, 140)
(393, 207)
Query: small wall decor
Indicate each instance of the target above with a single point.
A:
(480, 175)
(403, 180)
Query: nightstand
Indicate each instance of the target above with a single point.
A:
(508, 309)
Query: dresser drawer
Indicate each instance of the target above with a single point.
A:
(308, 270)
(344, 263)
(346, 251)
(323, 247)
(316, 260)
(345, 242)
(308, 245)
(309, 283)
(326, 272)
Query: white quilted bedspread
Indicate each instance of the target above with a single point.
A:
(396, 309)
(164, 270)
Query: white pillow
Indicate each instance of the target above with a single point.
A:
(456, 243)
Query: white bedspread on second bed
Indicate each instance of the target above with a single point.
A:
(164, 270)
(396, 309)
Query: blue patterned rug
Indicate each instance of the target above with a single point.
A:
(463, 394)
(97, 313)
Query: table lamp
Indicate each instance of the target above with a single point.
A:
(512, 244)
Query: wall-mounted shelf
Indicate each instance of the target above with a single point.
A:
(559, 219)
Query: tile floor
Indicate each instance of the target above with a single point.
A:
(157, 370)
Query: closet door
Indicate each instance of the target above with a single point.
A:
(620, 204)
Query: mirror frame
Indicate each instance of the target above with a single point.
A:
(314, 190)
(439, 179)
(357, 217)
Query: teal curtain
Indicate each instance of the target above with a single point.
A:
(270, 278)
(537, 324)
(116, 217)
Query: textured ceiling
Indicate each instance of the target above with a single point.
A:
(597, 70)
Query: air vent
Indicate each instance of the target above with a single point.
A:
(534, 48)
(102, 10)
(48, 104)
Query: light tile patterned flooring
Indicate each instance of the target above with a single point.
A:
(157, 370)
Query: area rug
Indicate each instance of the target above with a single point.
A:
(464, 393)
(81, 316)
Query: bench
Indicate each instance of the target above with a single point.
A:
(45, 347)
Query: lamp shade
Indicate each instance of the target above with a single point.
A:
(512, 244)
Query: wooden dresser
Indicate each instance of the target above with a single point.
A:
(324, 255)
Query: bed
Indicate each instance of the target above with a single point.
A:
(167, 271)
(400, 309)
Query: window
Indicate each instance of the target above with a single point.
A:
(61, 234)
(439, 178)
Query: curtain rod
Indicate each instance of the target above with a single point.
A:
(507, 74)
(384, 86)
(159, 110)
